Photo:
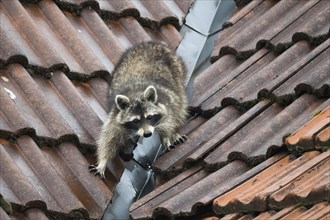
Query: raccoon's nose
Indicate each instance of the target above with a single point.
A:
(147, 134)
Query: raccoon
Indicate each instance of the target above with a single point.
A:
(147, 95)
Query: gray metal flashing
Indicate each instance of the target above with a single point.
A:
(207, 17)
(203, 21)
(137, 178)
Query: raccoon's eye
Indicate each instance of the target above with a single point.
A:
(153, 119)
(149, 117)
(135, 121)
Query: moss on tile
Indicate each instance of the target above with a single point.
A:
(168, 174)
(323, 92)
(278, 48)
(286, 99)
(5, 205)
(241, 3)
(316, 112)
(244, 55)
(211, 168)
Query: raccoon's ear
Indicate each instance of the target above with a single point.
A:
(122, 102)
(150, 94)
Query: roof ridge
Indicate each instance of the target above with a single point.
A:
(278, 48)
(76, 9)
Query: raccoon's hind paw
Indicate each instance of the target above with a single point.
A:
(180, 139)
(97, 171)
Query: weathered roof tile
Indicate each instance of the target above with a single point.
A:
(306, 136)
(264, 188)
(55, 61)
(269, 79)
(193, 185)
(317, 211)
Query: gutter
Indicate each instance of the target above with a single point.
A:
(202, 23)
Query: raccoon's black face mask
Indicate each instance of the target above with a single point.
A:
(140, 115)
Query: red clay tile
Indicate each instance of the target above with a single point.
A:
(12, 42)
(205, 81)
(210, 218)
(70, 36)
(27, 26)
(243, 12)
(228, 131)
(22, 191)
(318, 211)
(3, 215)
(323, 138)
(309, 188)
(264, 185)
(103, 34)
(243, 18)
(75, 188)
(197, 139)
(52, 118)
(46, 35)
(40, 112)
(134, 30)
(185, 193)
(118, 6)
(305, 136)
(281, 213)
(308, 74)
(246, 85)
(279, 16)
(232, 216)
(158, 11)
(247, 144)
(311, 23)
(184, 4)
(196, 191)
(192, 125)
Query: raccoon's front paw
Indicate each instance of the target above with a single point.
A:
(167, 144)
(97, 170)
(180, 139)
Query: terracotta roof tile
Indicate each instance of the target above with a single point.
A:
(146, 13)
(269, 80)
(269, 190)
(317, 211)
(193, 185)
(313, 133)
(250, 82)
(231, 135)
(308, 188)
(56, 179)
(289, 16)
(82, 47)
(56, 59)
(322, 138)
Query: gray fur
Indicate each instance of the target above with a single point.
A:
(148, 82)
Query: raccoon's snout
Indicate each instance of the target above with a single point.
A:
(147, 134)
